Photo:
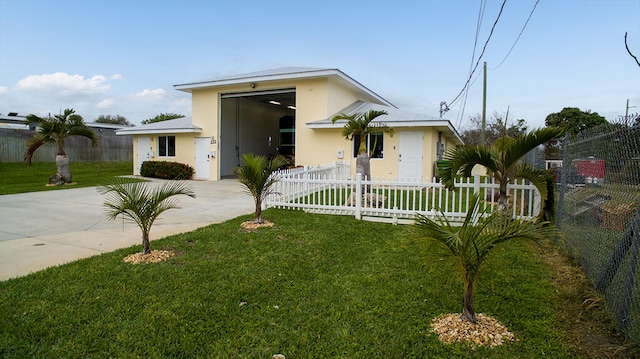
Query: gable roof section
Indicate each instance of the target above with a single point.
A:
(284, 73)
(394, 118)
(178, 125)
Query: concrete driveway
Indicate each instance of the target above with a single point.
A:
(44, 229)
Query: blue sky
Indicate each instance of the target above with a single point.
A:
(123, 57)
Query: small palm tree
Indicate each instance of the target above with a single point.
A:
(471, 243)
(502, 161)
(136, 201)
(56, 129)
(361, 124)
(257, 176)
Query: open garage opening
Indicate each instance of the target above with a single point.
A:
(261, 122)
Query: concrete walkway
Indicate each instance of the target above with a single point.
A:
(44, 229)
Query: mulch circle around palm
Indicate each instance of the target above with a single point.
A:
(64, 184)
(250, 226)
(153, 257)
(487, 331)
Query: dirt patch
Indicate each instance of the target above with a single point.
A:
(153, 257)
(250, 226)
(486, 332)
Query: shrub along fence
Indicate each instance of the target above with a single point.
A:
(13, 145)
(599, 215)
(329, 189)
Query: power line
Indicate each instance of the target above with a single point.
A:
(480, 57)
(518, 38)
(483, 4)
(464, 103)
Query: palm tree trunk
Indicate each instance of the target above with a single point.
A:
(258, 219)
(503, 202)
(62, 165)
(363, 166)
(146, 247)
(468, 313)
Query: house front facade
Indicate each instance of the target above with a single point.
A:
(288, 111)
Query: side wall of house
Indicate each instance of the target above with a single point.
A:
(185, 149)
(205, 108)
(388, 166)
(317, 99)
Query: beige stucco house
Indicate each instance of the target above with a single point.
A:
(289, 111)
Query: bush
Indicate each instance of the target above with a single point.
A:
(166, 170)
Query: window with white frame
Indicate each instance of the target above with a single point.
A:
(166, 146)
(375, 145)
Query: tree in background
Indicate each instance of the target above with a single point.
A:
(573, 121)
(494, 129)
(629, 51)
(162, 117)
(56, 129)
(114, 120)
(136, 201)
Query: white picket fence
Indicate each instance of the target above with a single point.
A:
(329, 189)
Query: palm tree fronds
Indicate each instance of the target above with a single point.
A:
(33, 144)
(461, 160)
(140, 204)
(84, 131)
(520, 146)
(474, 241)
(537, 177)
(257, 174)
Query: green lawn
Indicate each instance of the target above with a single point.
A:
(313, 286)
(21, 178)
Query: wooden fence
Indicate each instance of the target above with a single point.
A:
(320, 191)
(13, 144)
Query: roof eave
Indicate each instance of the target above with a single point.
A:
(158, 131)
(240, 80)
(189, 87)
(395, 124)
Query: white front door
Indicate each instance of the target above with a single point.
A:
(410, 155)
(145, 152)
(202, 169)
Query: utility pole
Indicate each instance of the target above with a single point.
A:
(626, 113)
(443, 108)
(484, 106)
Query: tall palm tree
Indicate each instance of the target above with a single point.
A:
(56, 129)
(257, 176)
(470, 244)
(361, 124)
(502, 161)
(136, 201)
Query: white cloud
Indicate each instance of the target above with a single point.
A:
(65, 84)
(90, 97)
(106, 103)
(157, 93)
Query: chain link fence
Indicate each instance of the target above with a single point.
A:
(599, 214)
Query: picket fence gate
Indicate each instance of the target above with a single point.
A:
(331, 190)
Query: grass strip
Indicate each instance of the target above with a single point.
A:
(18, 177)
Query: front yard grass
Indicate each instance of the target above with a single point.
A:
(313, 286)
(18, 177)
